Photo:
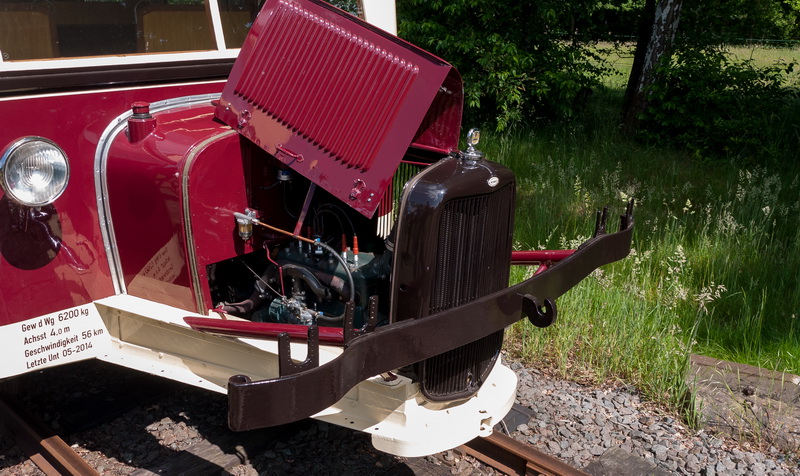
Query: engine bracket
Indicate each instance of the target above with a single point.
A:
(286, 365)
(351, 332)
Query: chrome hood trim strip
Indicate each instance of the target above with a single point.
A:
(117, 126)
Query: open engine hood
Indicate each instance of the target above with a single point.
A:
(338, 100)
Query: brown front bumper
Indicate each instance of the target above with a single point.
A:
(299, 395)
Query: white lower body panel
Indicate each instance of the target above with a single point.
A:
(153, 338)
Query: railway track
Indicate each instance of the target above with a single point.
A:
(46, 449)
(55, 457)
(517, 459)
(219, 450)
(125, 423)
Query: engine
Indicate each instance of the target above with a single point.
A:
(447, 243)
(309, 282)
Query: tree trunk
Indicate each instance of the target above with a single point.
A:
(655, 42)
(645, 31)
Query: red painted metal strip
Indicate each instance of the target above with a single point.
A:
(439, 150)
(538, 256)
(541, 269)
(262, 330)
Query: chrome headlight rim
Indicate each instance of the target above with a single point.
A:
(8, 160)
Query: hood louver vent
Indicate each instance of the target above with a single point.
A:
(338, 100)
(362, 103)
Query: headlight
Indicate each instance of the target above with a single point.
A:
(34, 171)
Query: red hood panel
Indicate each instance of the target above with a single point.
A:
(338, 100)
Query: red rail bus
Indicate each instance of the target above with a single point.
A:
(266, 201)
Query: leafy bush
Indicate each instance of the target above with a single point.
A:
(719, 107)
(515, 61)
(726, 21)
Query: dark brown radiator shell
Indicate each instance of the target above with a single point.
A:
(452, 246)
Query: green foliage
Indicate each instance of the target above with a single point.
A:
(611, 20)
(716, 106)
(515, 59)
(713, 266)
(720, 107)
(350, 6)
(711, 22)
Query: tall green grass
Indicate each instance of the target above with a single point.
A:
(767, 56)
(714, 269)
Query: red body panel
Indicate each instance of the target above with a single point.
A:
(172, 190)
(59, 261)
(176, 198)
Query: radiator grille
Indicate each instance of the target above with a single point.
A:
(459, 372)
(390, 203)
(474, 252)
(365, 84)
(473, 260)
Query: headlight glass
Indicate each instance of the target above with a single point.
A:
(34, 171)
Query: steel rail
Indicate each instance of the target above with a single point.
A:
(517, 459)
(46, 449)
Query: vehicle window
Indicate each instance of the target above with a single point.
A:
(50, 29)
(173, 26)
(237, 17)
(43, 29)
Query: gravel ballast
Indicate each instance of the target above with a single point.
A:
(578, 424)
(180, 426)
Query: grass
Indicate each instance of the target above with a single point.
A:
(621, 58)
(767, 56)
(714, 265)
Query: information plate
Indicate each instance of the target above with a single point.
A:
(54, 339)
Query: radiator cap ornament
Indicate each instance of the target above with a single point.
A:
(473, 137)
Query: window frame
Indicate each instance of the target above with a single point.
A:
(59, 73)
